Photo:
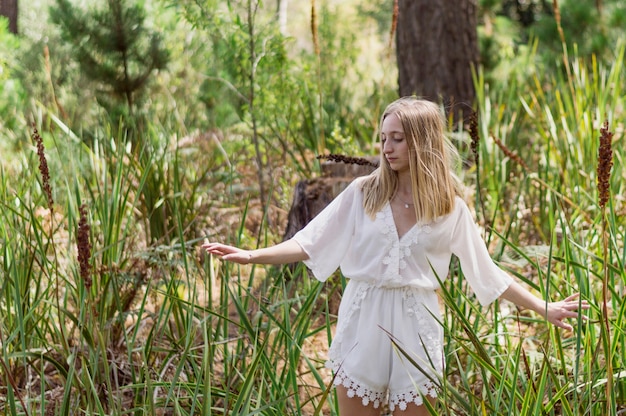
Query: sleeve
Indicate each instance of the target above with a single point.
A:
(486, 279)
(327, 237)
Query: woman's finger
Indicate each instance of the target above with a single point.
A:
(572, 297)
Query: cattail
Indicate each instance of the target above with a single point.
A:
(557, 18)
(605, 162)
(473, 132)
(314, 28)
(84, 247)
(511, 154)
(43, 167)
(394, 25)
(348, 160)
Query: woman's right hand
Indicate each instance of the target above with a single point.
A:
(228, 253)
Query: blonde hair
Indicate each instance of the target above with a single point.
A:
(431, 157)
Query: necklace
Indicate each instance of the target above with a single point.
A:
(406, 204)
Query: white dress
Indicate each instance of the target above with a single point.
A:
(389, 308)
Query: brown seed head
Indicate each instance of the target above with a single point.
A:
(394, 26)
(84, 247)
(43, 167)
(511, 154)
(347, 160)
(473, 131)
(605, 162)
(314, 28)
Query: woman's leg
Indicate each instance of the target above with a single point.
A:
(353, 406)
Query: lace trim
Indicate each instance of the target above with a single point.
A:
(333, 353)
(400, 400)
(384, 221)
(428, 327)
(376, 398)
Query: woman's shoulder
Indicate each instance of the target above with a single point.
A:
(459, 208)
(460, 203)
(353, 189)
(462, 207)
(361, 182)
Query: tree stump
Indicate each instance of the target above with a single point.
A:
(311, 196)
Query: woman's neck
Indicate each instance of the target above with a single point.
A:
(405, 188)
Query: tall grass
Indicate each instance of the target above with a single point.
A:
(98, 318)
(107, 307)
(557, 237)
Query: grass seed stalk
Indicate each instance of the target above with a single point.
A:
(605, 163)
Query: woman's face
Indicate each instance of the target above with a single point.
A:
(394, 144)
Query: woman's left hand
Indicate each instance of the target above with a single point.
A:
(570, 307)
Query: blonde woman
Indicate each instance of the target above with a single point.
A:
(393, 233)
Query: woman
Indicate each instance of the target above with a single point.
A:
(393, 233)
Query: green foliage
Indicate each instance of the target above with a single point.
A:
(380, 11)
(9, 43)
(344, 108)
(286, 93)
(591, 30)
(114, 49)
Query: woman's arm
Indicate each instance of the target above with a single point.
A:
(554, 312)
(286, 252)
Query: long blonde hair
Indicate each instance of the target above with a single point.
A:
(431, 157)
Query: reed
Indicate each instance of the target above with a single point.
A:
(605, 162)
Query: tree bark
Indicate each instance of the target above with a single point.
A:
(436, 48)
(8, 8)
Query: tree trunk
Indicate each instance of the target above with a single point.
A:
(8, 8)
(436, 48)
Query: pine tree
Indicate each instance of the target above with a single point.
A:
(114, 49)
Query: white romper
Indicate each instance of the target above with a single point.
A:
(390, 304)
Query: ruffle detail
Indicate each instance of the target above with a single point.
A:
(401, 400)
(376, 398)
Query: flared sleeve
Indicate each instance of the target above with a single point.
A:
(328, 236)
(486, 279)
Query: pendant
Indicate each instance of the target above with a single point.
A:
(406, 206)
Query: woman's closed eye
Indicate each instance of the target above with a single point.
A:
(395, 139)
